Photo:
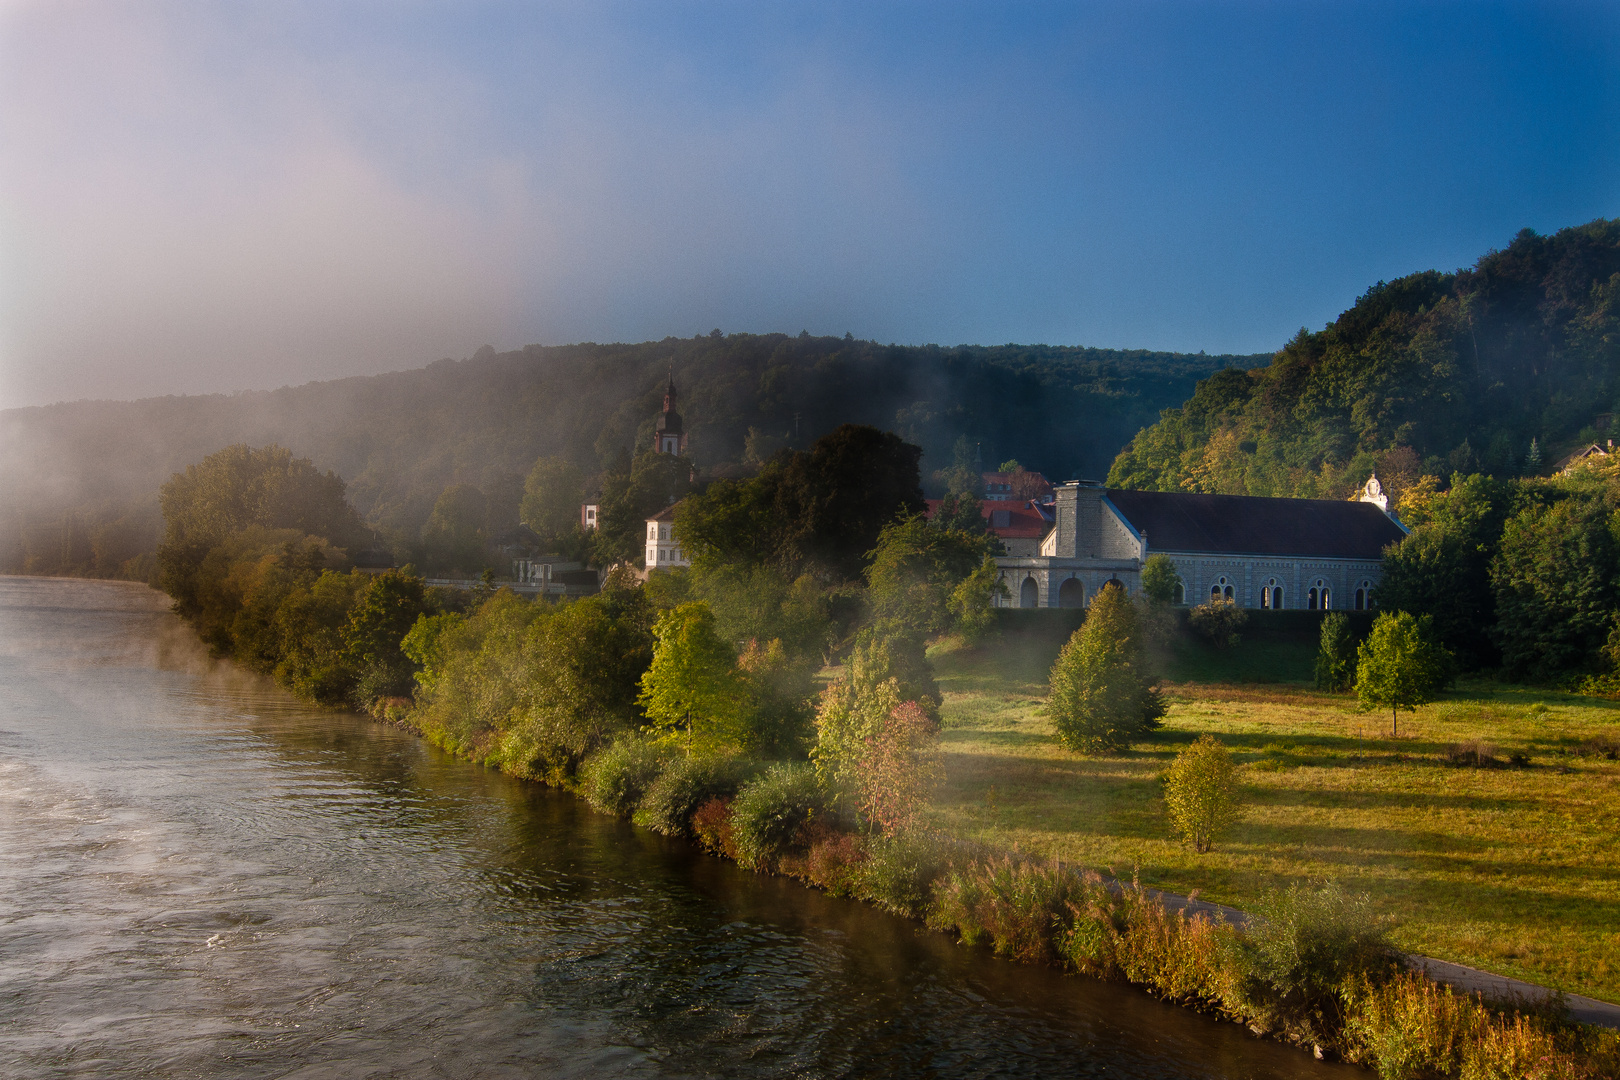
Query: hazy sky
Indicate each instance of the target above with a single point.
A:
(217, 196)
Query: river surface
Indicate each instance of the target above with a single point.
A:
(202, 877)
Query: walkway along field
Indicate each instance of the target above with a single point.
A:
(1488, 829)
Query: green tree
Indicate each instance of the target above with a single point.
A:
(1443, 569)
(1159, 579)
(384, 612)
(960, 513)
(914, 574)
(1555, 584)
(453, 538)
(692, 692)
(1336, 653)
(1399, 666)
(1100, 699)
(1201, 792)
(552, 494)
(239, 488)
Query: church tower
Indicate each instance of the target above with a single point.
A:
(669, 437)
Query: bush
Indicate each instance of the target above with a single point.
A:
(832, 858)
(1201, 793)
(711, 826)
(899, 872)
(1100, 700)
(1218, 622)
(615, 779)
(1336, 653)
(769, 812)
(1302, 947)
(1410, 1027)
(686, 784)
(1023, 910)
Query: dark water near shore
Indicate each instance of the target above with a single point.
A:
(201, 877)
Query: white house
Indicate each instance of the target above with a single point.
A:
(663, 550)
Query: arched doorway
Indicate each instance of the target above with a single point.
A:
(1072, 594)
(1029, 594)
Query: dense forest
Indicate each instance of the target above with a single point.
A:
(1497, 369)
(78, 491)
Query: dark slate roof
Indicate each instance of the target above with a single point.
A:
(1248, 525)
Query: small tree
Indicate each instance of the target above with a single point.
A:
(1159, 579)
(1336, 653)
(901, 766)
(1100, 699)
(1201, 792)
(1399, 667)
(1218, 621)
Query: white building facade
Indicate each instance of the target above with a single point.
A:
(663, 550)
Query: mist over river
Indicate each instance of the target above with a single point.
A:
(201, 876)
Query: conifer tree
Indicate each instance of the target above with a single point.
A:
(1100, 698)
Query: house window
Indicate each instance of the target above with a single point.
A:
(1180, 595)
(1221, 590)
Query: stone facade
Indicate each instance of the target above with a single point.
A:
(1291, 554)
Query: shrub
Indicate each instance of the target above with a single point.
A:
(1179, 958)
(683, 786)
(1100, 700)
(1302, 947)
(769, 812)
(1336, 653)
(832, 857)
(899, 872)
(1218, 621)
(711, 826)
(1023, 910)
(1475, 754)
(1159, 579)
(1201, 792)
(614, 780)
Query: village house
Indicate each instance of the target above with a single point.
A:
(1301, 554)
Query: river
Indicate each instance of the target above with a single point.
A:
(201, 876)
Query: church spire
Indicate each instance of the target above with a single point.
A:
(669, 437)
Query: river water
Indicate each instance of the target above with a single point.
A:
(202, 877)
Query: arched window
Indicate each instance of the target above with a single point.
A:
(1179, 596)
(1072, 594)
(1310, 599)
(1221, 590)
(1029, 594)
(1271, 595)
(1324, 595)
(1364, 595)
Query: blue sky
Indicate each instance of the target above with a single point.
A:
(207, 197)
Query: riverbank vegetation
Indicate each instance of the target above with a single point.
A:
(832, 697)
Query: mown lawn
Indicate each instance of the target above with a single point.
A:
(1512, 869)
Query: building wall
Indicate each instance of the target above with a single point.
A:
(663, 550)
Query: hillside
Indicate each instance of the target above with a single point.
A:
(79, 483)
(1432, 373)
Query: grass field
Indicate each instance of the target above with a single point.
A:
(1510, 868)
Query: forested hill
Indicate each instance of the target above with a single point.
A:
(1433, 373)
(79, 483)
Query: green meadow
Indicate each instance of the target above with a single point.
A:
(1487, 830)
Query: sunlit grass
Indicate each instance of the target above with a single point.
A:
(1512, 869)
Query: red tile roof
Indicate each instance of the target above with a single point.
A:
(1006, 520)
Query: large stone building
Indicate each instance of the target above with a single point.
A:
(1257, 552)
